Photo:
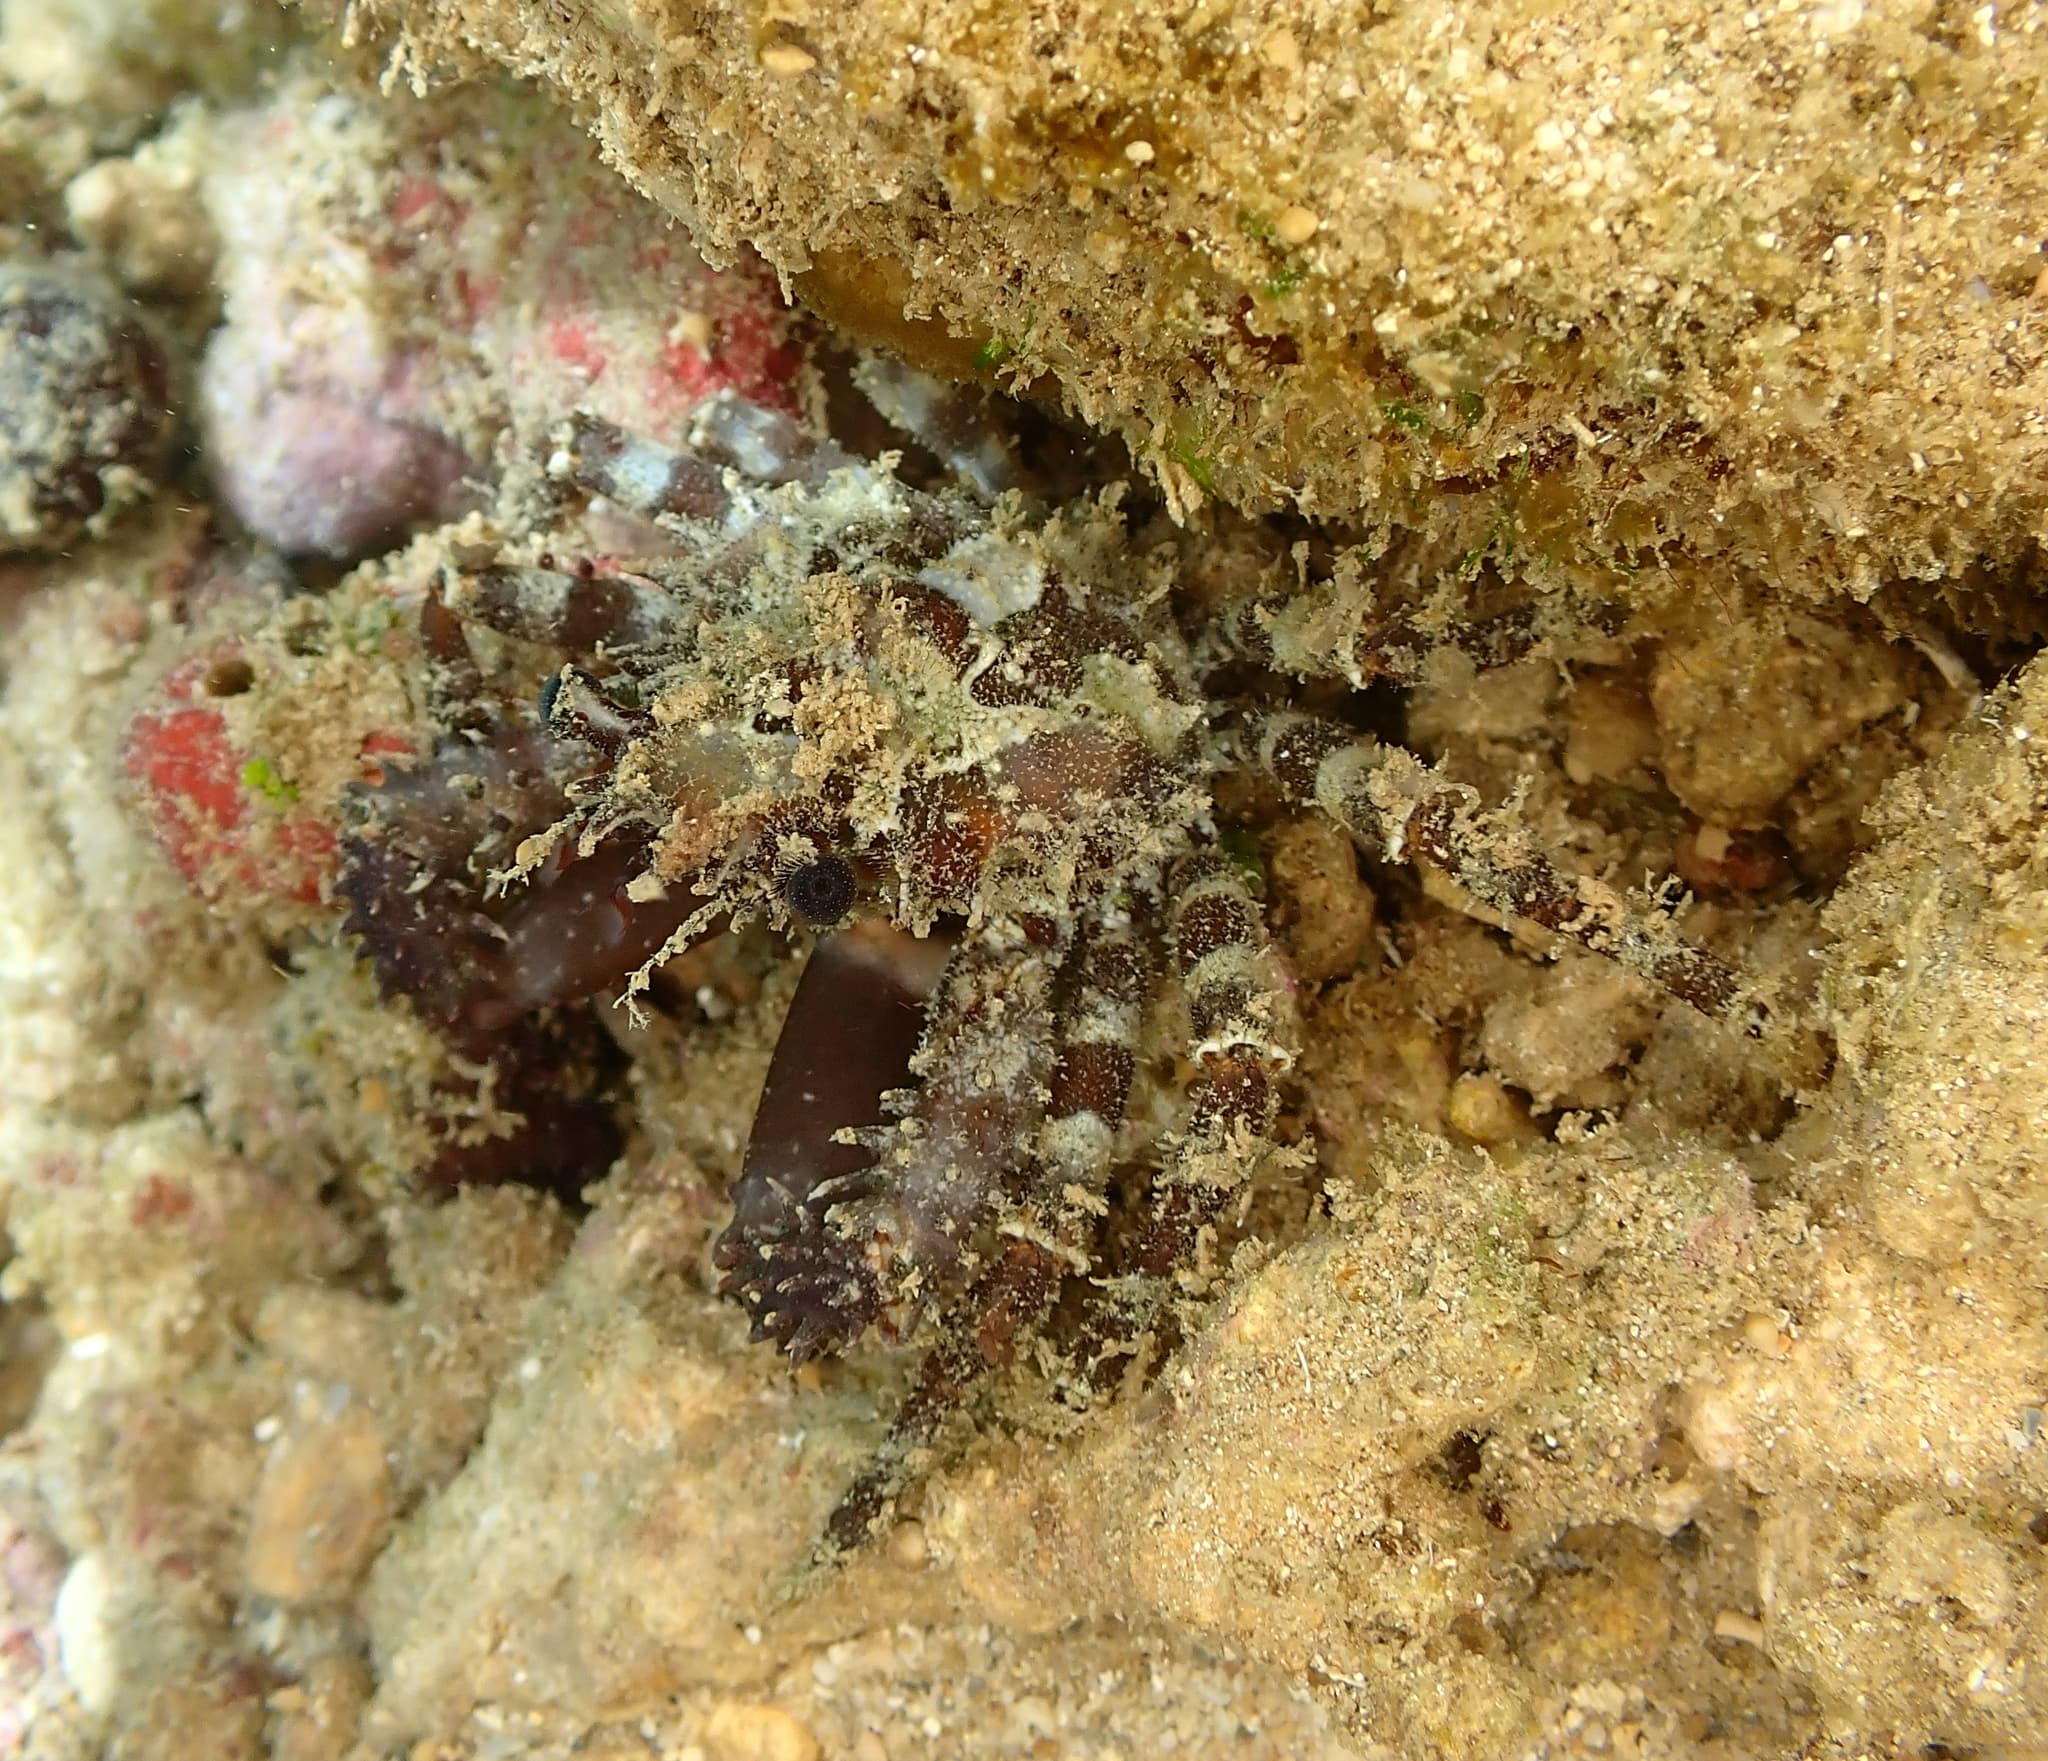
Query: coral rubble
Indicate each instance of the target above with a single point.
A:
(1655, 400)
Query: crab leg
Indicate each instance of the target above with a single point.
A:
(580, 612)
(728, 433)
(734, 448)
(1242, 1038)
(1390, 800)
(1042, 1240)
(1340, 629)
(952, 420)
(984, 1071)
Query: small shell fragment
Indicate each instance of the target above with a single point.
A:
(321, 1510)
(1296, 225)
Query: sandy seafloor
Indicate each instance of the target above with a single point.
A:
(1594, 1379)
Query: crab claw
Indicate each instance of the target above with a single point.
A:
(847, 1040)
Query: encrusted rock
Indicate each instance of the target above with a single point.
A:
(85, 388)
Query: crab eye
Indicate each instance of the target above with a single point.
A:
(820, 892)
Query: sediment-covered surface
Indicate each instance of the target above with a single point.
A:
(1759, 283)
(1588, 1377)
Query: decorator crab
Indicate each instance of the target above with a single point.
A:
(970, 749)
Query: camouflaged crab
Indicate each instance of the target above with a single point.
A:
(971, 751)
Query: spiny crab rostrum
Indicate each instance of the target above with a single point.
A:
(969, 750)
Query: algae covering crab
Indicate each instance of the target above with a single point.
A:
(971, 751)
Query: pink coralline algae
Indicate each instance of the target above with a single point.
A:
(380, 343)
(31, 1575)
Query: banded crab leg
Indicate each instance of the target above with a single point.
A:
(578, 611)
(1043, 1238)
(1390, 801)
(728, 433)
(710, 490)
(952, 420)
(1243, 1036)
(1343, 627)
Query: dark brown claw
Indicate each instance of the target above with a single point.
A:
(847, 1040)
